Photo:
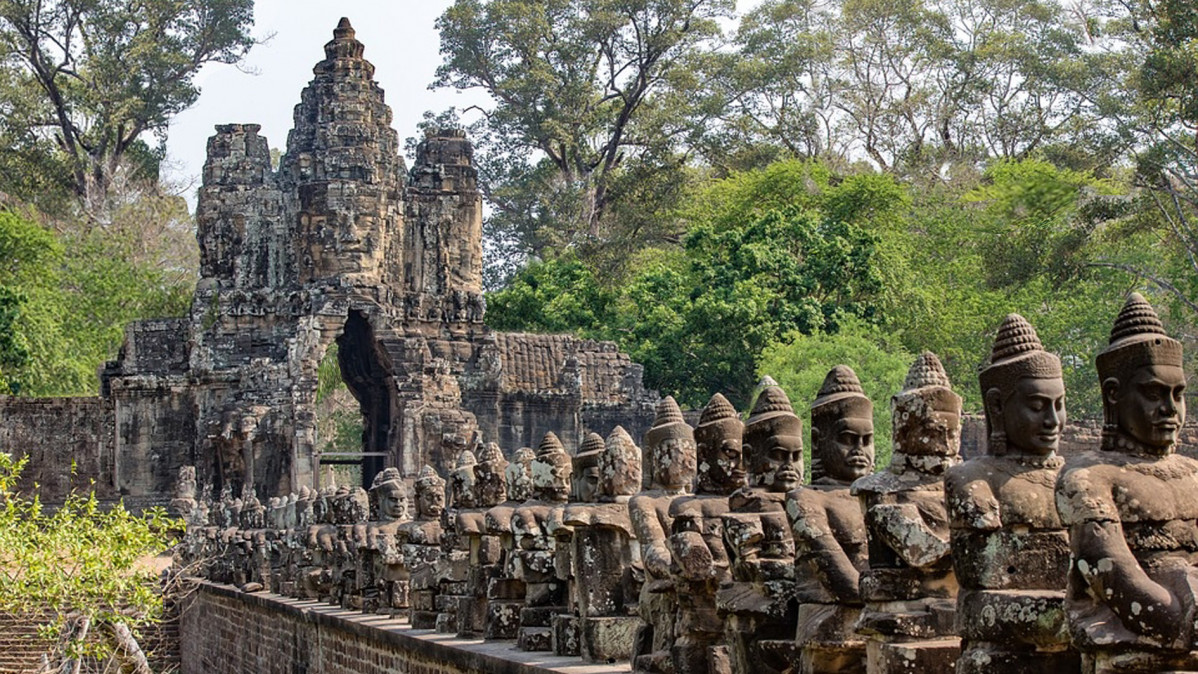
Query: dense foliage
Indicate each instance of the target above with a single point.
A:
(87, 568)
(906, 172)
(84, 83)
(779, 260)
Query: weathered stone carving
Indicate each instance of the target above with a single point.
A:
(758, 602)
(534, 525)
(699, 559)
(670, 454)
(420, 544)
(453, 568)
(585, 481)
(829, 529)
(386, 589)
(505, 592)
(604, 551)
(1010, 551)
(1131, 510)
(184, 501)
(910, 589)
(484, 548)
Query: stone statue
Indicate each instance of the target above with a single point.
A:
(699, 559)
(1131, 509)
(505, 592)
(420, 544)
(829, 529)
(585, 490)
(910, 590)
(1010, 551)
(670, 448)
(389, 575)
(453, 568)
(315, 578)
(586, 469)
(184, 503)
(484, 548)
(758, 604)
(534, 525)
(602, 553)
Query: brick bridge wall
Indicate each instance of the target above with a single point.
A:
(224, 631)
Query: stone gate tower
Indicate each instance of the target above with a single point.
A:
(343, 244)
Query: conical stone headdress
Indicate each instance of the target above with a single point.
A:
(1017, 353)
(668, 424)
(491, 454)
(772, 415)
(841, 390)
(550, 445)
(1137, 339)
(926, 389)
(588, 453)
(719, 419)
(620, 465)
(428, 479)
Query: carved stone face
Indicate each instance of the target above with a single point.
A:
(846, 447)
(928, 425)
(588, 485)
(430, 503)
(674, 463)
(551, 478)
(463, 483)
(1032, 416)
(722, 463)
(393, 502)
(778, 466)
(491, 486)
(1150, 407)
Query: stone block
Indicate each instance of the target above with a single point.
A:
(535, 639)
(539, 616)
(471, 616)
(565, 634)
(505, 588)
(423, 620)
(849, 659)
(984, 658)
(1032, 617)
(608, 639)
(503, 619)
(423, 600)
(932, 656)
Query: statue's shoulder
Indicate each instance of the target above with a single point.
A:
(882, 482)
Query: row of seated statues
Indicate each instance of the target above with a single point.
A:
(704, 552)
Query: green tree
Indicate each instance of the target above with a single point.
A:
(767, 253)
(85, 566)
(28, 273)
(68, 296)
(590, 97)
(83, 82)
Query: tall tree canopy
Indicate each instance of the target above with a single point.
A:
(591, 99)
(82, 83)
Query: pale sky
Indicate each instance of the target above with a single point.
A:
(401, 41)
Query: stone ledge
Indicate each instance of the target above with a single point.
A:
(458, 655)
